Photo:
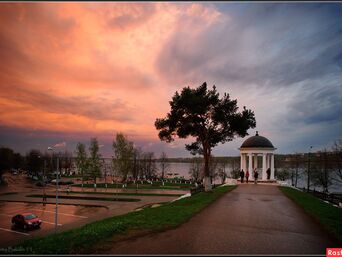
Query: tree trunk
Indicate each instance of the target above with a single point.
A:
(206, 179)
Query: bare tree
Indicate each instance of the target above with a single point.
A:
(164, 165)
(213, 167)
(337, 162)
(150, 165)
(137, 153)
(81, 160)
(320, 173)
(94, 160)
(123, 153)
(222, 173)
(196, 168)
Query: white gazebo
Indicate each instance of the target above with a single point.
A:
(251, 149)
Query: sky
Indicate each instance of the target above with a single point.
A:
(76, 70)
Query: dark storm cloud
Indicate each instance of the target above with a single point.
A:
(323, 105)
(274, 43)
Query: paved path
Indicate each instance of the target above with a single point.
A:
(252, 219)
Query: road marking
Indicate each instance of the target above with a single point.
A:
(51, 223)
(8, 230)
(61, 213)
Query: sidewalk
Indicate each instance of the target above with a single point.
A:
(252, 219)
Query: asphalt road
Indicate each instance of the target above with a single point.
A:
(67, 215)
(252, 219)
(72, 213)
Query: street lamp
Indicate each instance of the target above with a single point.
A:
(309, 169)
(56, 213)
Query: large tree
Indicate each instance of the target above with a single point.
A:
(94, 160)
(34, 162)
(201, 114)
(124, 155)
(81, 160)
(6, 160)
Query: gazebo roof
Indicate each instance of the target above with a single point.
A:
(257, 142)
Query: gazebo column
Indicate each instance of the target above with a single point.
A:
(272, 166)
(244, 162)
(264, 175)
(255, 161)
(250, 160)
(241, 161)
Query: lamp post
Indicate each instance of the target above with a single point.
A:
(56, 213)
(309, 168)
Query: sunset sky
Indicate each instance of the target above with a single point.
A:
(72, 71)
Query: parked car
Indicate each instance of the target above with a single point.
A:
(26, 220)
(61, 182)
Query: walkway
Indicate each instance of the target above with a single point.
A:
(252, 219)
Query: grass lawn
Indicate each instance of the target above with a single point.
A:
(155, 185)
(94, 198)
(113, 193)
(329, 216)
(9, 193)
(87, 237)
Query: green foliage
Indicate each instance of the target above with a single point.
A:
(82, 163)
(6, 158)
(201, 114)
(329, 216)
(34, 162)
(83, 239)
(94, 159)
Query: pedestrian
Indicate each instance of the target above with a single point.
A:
(44, 199)
(255, 176)
(247, 176)
(68, 189)
(242, 175)
(268, 171)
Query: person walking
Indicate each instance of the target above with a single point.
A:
(255, 176)
(242, 175)
(268, 171)
(44, 199)
(247, 176)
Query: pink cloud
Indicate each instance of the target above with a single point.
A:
(89, 67)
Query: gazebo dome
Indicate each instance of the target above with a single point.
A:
(257, 142)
